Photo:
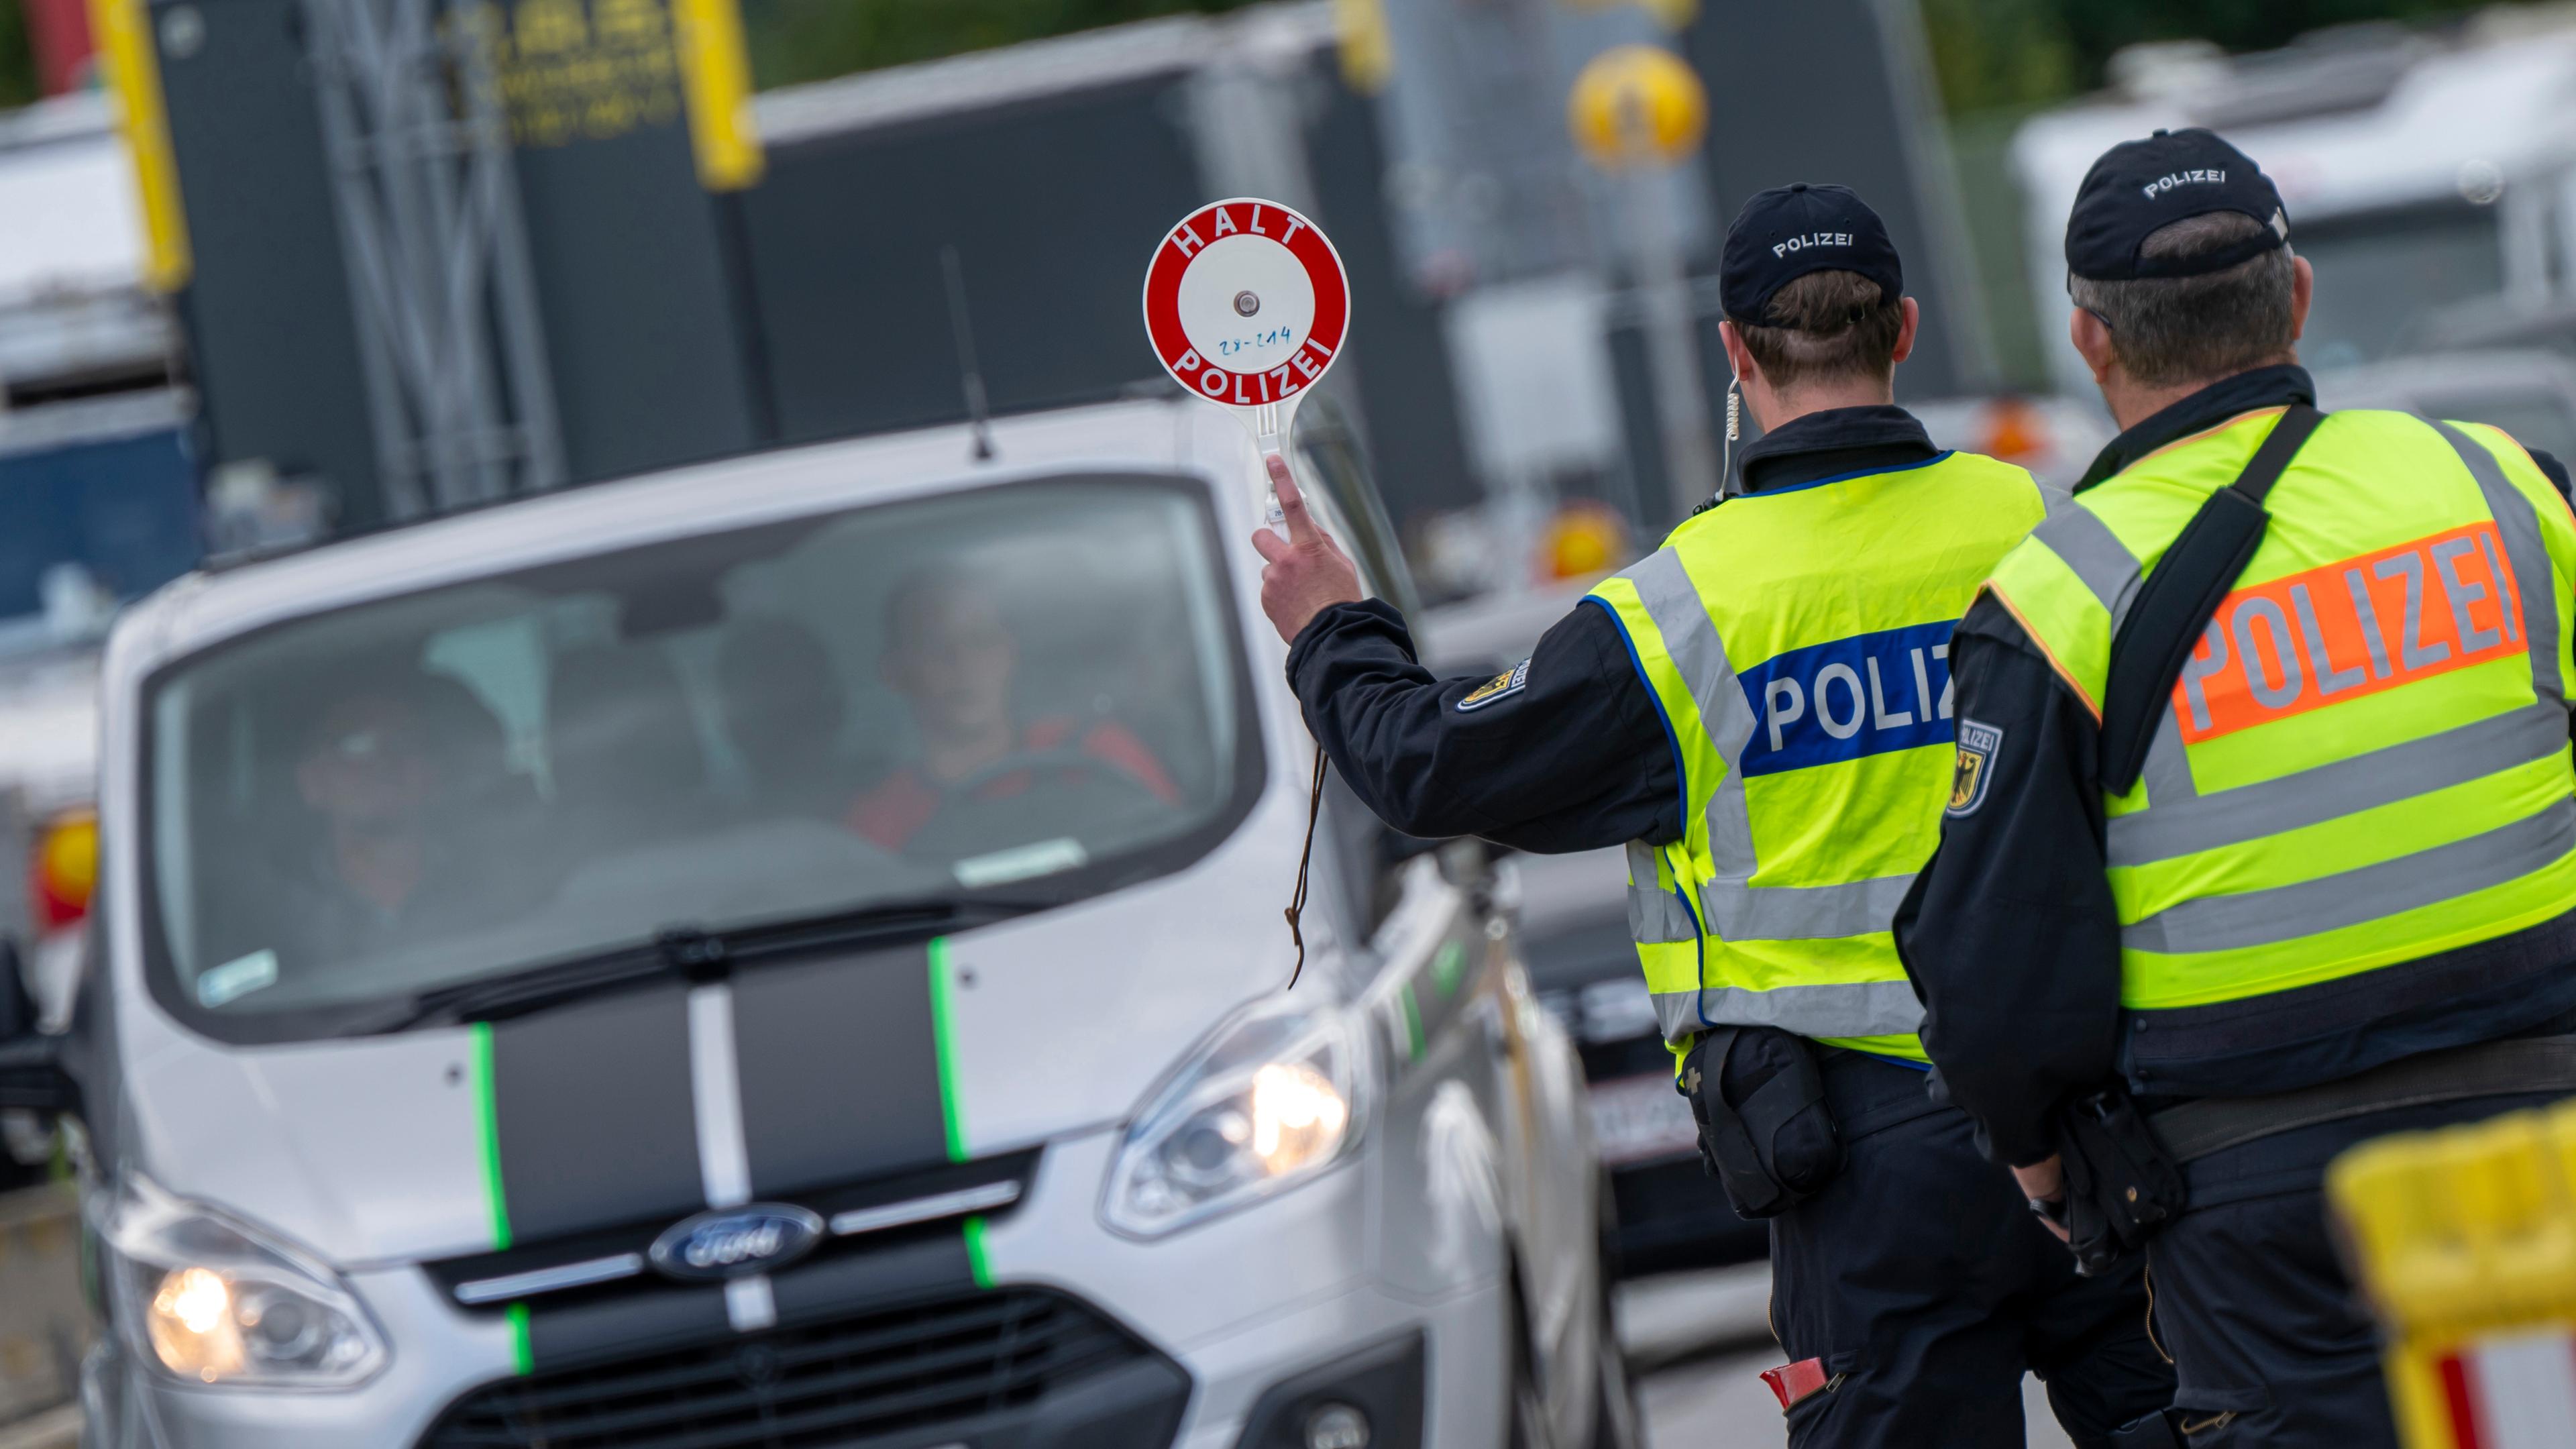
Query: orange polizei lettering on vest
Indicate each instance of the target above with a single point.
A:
(2349, 629)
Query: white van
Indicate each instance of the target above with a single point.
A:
(789, 953)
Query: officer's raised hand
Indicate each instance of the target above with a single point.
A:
(1307, 572)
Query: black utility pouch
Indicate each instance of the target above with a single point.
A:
(2122, 1186)
(1765, 1132)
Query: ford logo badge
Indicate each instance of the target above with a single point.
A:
(736, 1242)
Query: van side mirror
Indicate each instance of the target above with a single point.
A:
(31, 1063)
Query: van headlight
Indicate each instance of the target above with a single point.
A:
(212, 1300)
(1270, 1099)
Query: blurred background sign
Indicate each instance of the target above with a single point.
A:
(1635, 105)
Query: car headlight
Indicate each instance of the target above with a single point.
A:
(1270, 1099)
(214, 1301)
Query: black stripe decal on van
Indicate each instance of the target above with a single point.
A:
(592, 1117)
(840, 1069)
(630, 1321)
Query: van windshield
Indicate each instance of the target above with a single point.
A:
(1034, 691)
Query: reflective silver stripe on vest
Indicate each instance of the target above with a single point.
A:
(2344, 787)
(2167, 770)
(1735, 909)
(2383, 776)
(1803, 913)
(2078, 536)
(1870, 1008)
(2525, 554)
(2352, 897)
(1656, 917)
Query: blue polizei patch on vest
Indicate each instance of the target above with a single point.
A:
(1865, 695)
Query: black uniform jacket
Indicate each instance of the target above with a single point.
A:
(2013, 941)
(1568, 751)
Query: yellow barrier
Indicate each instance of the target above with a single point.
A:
(2464, 1241)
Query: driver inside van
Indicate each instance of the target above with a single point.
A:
(953, 659)
(374, 765)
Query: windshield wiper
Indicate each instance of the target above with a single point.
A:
(689, 953)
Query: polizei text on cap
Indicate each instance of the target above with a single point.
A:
(2163, 184)
(1812, 239)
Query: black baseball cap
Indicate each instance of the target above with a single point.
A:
(2139, 187)
(1786, 232)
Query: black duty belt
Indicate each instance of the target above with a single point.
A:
(2489, 1069)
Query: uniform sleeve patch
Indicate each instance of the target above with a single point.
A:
(1978, 746)
(1502, 686)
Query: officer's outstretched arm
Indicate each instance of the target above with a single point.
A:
(1564, 751)
(2010, 933)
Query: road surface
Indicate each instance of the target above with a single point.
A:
(1700, 1344)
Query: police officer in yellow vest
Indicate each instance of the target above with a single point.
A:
(1761, 712)
(2290, 883)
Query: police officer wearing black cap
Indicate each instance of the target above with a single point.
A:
(2267, 841)
(1705, 709)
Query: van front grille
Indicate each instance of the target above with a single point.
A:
(839, 1383)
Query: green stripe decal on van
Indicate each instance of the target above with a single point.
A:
(487, 1126)
(943, 1029)
(1412, 1024)
(1448, 966)
(976, 1262)
(520, 1359)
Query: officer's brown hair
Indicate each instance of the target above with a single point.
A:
(1824, 327)
(2169, 331)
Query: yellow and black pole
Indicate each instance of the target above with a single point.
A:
(715, 71)
(132, 69)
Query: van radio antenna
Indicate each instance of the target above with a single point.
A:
(979, 411)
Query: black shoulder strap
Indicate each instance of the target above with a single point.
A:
(2175, 603)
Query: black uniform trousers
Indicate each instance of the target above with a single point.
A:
(1921, 1280)
(2269, 1343)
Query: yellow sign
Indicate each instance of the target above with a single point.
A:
(571, 71)
(1637, 103)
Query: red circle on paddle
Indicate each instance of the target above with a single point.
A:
(1246, 302)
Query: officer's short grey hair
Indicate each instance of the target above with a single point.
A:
(2169, 331)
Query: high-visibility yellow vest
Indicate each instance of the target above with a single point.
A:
(1798, 642)
(2365, 761)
